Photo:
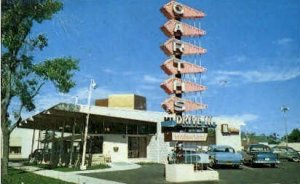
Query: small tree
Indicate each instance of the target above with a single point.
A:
(294, 136)
(273, 138)
(21, 76)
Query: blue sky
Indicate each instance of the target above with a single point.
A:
(252, 45)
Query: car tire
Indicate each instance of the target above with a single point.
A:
(295, 159)
(273, 165)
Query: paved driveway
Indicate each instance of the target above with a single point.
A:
(286, 173)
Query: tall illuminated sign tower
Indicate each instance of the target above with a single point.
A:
(179, 70)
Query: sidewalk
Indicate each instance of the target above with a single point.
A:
(75, 176)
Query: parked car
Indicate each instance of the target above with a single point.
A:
(255, 154)
(39, 154)
(224, 155)
(285, 152)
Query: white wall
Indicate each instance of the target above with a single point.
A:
(233, 140)
(113, 140)
(158, 149)
(23, 137)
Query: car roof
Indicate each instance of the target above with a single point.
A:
(286, 147)
(221, 146)
(250, 145)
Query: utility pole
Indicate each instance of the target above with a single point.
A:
(285, 109)
(92, 86)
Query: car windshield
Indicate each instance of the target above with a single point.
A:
(223, 149)
(259, 149)
(291, 150)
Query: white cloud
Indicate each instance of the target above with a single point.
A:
(238, 77)
(236, 59)
(108, 71)
(151, 79)
(283, 41)
(127, 73)
(148, 87)
(245, 118)
(113, 72)
(45, 101)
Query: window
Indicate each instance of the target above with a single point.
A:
(224, 149)
(95, 145)
(259, 148)
(15, 150)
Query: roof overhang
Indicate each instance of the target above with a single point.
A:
(64, 114)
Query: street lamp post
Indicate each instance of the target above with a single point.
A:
(92, 86)
(285, 109)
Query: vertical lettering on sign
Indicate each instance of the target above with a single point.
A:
(178, 30)
(178, 64)
(179, 106)
(178, 9)
(178, 86)
(178, 48)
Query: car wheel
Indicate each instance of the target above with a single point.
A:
(273, 165)
(295, 159)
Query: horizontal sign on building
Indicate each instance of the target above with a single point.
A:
(189, 121)
(178, 136)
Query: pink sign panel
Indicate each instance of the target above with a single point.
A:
(172, 27)
(174, 9)
(173, 103)
(178, 86)
(177, 47)
(173, 66)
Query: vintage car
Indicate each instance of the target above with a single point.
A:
(40, 154)
(285, 152)
(224, 155)
(255, 154)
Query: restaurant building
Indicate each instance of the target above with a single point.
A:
(120, 129)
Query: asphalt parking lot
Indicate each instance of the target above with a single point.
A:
(286, 173)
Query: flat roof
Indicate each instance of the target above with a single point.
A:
(63, 113)
(66, 114)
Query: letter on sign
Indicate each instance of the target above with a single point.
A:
(178, 9)
(179, 106)
(178, 47)
(178, 86)
(178, 28)
(179, 65)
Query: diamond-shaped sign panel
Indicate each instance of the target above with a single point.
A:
(172, 27)
(169, 105)
(177, 47)
(173, 66)
(176, 86)
(185, 11)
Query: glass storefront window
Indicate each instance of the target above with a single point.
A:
(131, 129)
(95, 145)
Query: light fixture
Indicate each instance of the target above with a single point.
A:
(46, 112)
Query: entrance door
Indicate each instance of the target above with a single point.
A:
(137, 147)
